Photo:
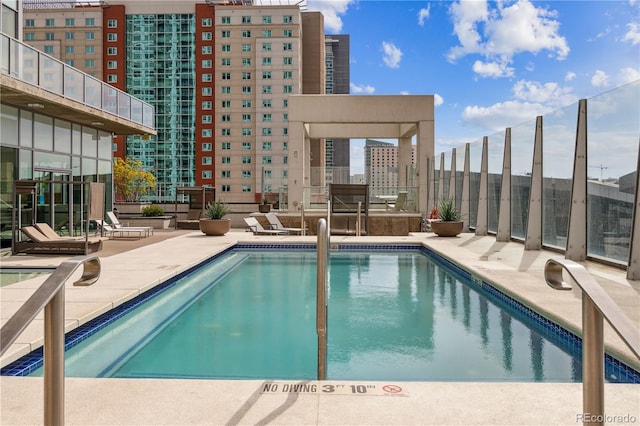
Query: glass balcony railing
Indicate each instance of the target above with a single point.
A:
(31, 66)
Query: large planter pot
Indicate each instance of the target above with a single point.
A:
(264, 208)
(447, 229)
(215, 227)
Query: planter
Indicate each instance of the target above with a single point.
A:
(447, 229)
(264, 208)
(215, 227)
(157, 222)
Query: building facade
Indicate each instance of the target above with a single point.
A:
(381, 164)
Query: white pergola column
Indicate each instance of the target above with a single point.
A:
(425, 151)
(298, 165)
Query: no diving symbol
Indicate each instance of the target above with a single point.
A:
(392, 388)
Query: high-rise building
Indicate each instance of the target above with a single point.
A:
(381, 164)
(337, 59)
(219, 74)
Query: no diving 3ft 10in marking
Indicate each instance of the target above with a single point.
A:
(334, 388)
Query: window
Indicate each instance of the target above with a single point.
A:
(50, 22)
(225, 62)
(266, 19)
(29, 23)
(287, 19)
(285, 160)
(206, 63)
(90, 63)
(206, 119)
(266, 146)
(266, 47)
(246, 118)
(225, 90)
(246, 19)
(207, 50)
(226, 188)
(226, 132)
(111, 51)
(226, 160)
(246, 146)
(226, 104)
(69, 36)
(287, 89)
(206, 22)
(206, 174)
(246, 131)
(112, 78)
(266, 103)
(112, 65)
(112, 37)
(285, 103)
(89, 50)
(266, 89)
(267, 174)
(206, 35)
(226, 117)
(266, 61)
(285, 131)
(112, 23)
(206, 133)
(266, 75)
(206, 161)
(49, 36)
(246, 62)
(246, 76)
(226, 76)
(89, 22)
(226, 20)
(246, 104)
(287, 46)
(246, 159)
(246, 90)
(266, 159)
(246, 34)
(285, 117)
(266, 131)
(226, 48)
(225, 174)
(226, 34)
(69, 49)
(246, 188)
(287, 60)
(246, 174)
(266, 33)
(70, 62)
(207, 91)
(48, 50)
(226, 146)
(69, 22)
(287, 75)
(206, 105)
(207, 77)
(287, 33)
(266, 117)
(246, 47)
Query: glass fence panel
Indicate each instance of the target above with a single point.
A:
(522, 141)
(93, 92)
(51, 74)
(110, 99)
(475, 162)
(8, 54)
(559, 129)
(136, 110)
(495, 155)
(612, 153)
(148, 115)
(459, 175)
(124, 105)
(436, 179)
(25, 63)
(447, 175)
(73, 84)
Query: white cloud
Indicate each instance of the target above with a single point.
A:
(600, 79)
(363, 88)
(548, 94)
(569, 76)
(423, 15)
(501, 115)
(502, 32)
(392, 55)
(633, 35)
(331, 10)
(627, 75)
(437, 100)
(404, 92)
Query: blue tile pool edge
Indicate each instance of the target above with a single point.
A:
(34, 360)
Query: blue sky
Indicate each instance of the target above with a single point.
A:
(490, 65)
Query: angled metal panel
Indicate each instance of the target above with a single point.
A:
(482, 225)
(633, 268)
(504, 217)
(577, 234)
(533, 237)
(452, 177)
(466, 181)
(441, 180)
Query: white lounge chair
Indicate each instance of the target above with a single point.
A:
(257, 228)
(123, 231)
(117, 225)
(276, 224)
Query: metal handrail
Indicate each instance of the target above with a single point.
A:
(597, 305)
(50, 297)
(321, 298)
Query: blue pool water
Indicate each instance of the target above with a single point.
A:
(393, 315)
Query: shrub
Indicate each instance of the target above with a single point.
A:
(447, 211)
(152, 211)
(216, 210)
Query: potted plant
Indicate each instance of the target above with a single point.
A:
(265, 207)
(214, 222)
(449, 223)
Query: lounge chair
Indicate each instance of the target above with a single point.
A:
(124, 231)
(192, 221)
(41, 244)
(276, 224)
(257, 228)
(49, 232)
(117, 225)
(400, 203)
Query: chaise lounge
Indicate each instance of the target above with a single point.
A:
(42, 244)
(256, 227)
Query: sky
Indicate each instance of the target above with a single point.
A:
(489, 64)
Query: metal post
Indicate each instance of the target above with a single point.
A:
(592, 359)
(358, 223)
(54, 360)
(321, 299)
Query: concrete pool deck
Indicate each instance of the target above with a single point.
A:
(125, 274)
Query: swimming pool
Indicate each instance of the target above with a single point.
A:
(393, 315)
(10, 276)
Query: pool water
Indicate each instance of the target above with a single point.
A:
(392, 316)
(10, 276)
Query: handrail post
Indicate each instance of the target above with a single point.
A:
(54, 360)
(321, 298)
(592, 359)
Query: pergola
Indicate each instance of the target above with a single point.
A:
(373, 116)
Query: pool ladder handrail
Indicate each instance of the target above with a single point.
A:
(321, 297)
(50, 297)
(597, 305)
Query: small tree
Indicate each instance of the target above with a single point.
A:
(131, 179)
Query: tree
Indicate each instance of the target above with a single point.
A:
(131, 179)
